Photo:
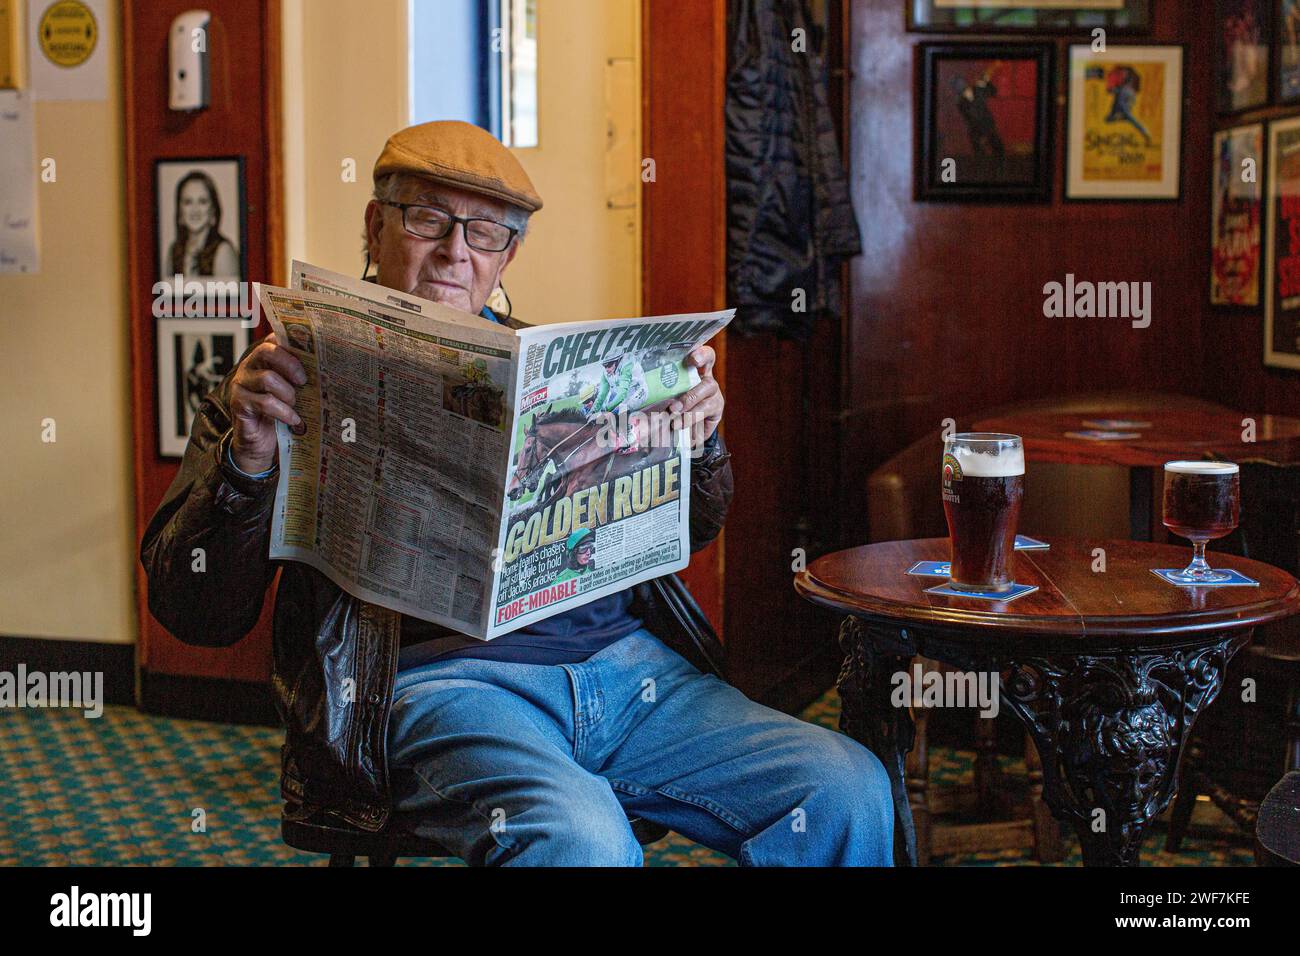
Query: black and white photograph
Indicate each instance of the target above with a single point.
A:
(200, 210)
(194, 355)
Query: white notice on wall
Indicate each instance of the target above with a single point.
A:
(66, 55)
(18, 247)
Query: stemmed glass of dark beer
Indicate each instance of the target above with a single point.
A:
(1202, 502)
(983, 486)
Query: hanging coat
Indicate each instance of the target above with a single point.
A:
(790, 221)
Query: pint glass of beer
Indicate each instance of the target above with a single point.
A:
(1202, 502)
(983, 485)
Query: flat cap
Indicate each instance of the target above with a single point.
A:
(459, 154)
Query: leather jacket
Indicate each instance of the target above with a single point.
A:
(335, 656)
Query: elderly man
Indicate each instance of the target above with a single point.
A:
(536, 747)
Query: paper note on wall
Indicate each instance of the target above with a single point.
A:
(18, 241)
(66, 58)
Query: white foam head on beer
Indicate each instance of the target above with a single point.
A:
(1202, 467)
(1003, 463)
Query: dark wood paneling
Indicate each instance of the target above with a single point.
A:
(243, 45)
(946, 317)
(683, 210)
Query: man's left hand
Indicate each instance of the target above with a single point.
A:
(701, 407)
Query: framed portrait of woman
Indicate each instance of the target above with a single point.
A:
(200, 218)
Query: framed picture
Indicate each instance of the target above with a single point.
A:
(1124, 126)
(194, 355)
(1237, 216)
(1028, 16)
(1241, 38)
(1282, 261)
(1286, 55)
(984, 122)
(199, 204)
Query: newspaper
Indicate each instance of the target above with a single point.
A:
(472, 475)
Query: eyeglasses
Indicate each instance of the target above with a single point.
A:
(430, 222)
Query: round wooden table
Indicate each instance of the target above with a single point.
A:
(1106, 664)
(1165, 434)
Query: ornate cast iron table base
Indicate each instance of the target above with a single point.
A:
(1109, 724)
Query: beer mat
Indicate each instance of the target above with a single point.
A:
(942, 569)
(1115, 424)
(1237, 579)
(1017, 591)
(1103, 435)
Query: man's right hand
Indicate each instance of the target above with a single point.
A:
(262, 393)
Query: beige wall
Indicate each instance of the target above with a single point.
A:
(67, 538)
(346, 91)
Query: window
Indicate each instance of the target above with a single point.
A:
(476, 60)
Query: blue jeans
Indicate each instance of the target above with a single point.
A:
(532, 764)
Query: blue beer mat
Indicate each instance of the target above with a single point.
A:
(1017, 590)
(1238, 580)
(942, 569)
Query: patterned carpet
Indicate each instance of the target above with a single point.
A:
(130, 789)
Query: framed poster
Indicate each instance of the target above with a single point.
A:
(1124, 126)
(199, 209)
(984, 120)
(1286, 56)
(1236, 216)
(1282, 261)
(1241, 38)
(194, 355)
(1028, 16)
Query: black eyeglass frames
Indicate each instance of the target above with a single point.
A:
(430, 222)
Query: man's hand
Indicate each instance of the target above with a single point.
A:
(701, 407)
(262, 393)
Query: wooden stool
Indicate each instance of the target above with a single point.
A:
(1023, 820)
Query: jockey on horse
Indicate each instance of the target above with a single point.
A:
(622, 390)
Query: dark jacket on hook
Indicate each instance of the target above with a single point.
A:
(790, 220)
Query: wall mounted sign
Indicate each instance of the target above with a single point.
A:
(66, 53)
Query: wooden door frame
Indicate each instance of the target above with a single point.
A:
(190, 687)
(684, 217)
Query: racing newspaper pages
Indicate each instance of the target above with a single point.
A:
(476, 476)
